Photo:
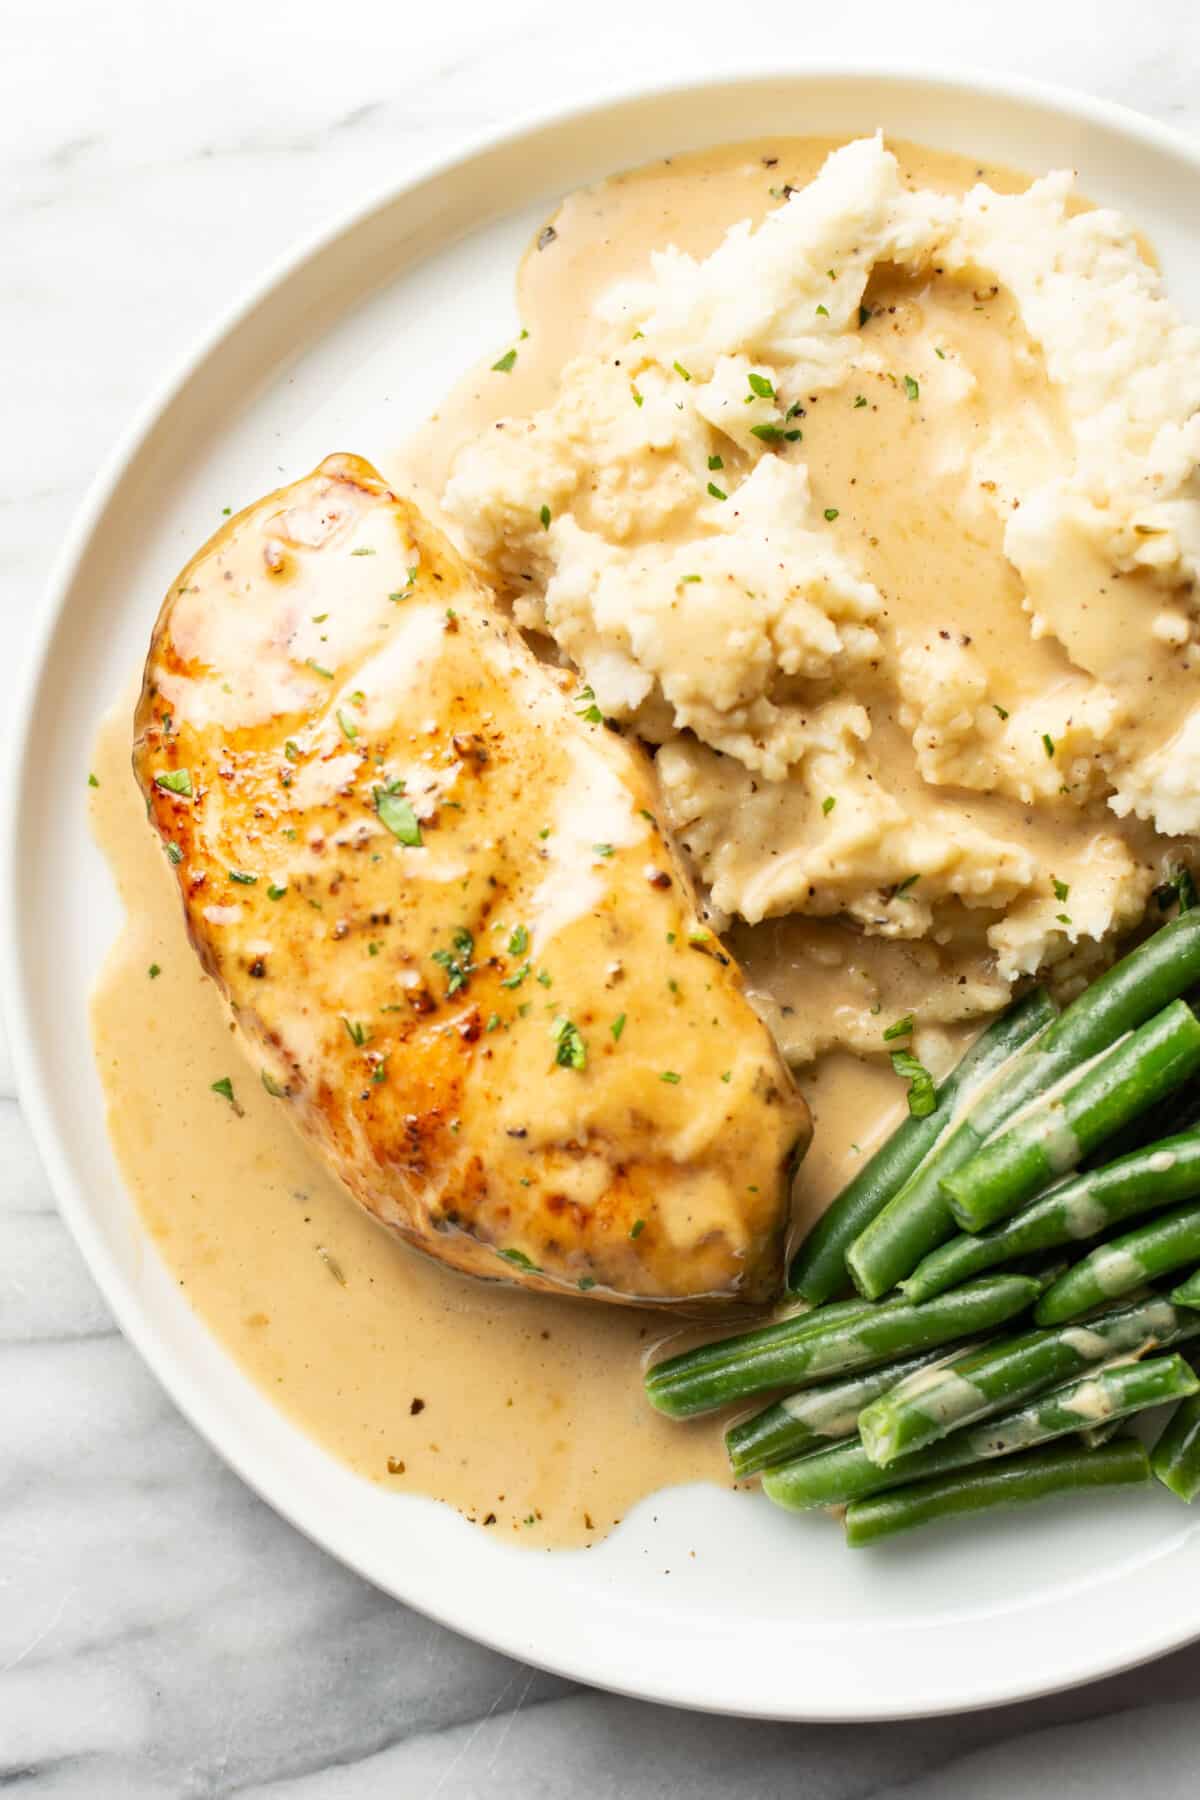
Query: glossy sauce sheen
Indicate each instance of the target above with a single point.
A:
(523, 1411)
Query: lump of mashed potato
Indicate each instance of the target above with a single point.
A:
(882, 523)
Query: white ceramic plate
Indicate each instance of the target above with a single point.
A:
(346, 347)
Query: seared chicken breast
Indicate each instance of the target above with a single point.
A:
(430, 884)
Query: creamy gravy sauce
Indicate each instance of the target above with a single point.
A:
(898, 477)
(524, 1412)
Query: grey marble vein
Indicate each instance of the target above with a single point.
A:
(162, 1633)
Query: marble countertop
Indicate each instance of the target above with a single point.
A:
(161, 1632)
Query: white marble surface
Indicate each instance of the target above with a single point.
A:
(162, 1633)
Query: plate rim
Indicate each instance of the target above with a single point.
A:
(19, 1022)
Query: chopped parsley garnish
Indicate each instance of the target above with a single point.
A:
(828, 804)
(1047, 743)
(457, 961)
(909, 881)
(684, 579)
(680, 370)
(1061, 888)
(603, 849)
(493, 1023)
(224, 1087)
(727, 1076)
(319, 668)
(275, 892)
(176, 781)
(638, 398)
(517, 977)
(1063, 918)
(154, 971)
(518, 942)
(670, 1076)
(292, 750)
(617, 1027)
(637, 1228)
(92, 781)
(570, 1051)
(1002, 710)
(864, 313)
(911, 388)
(544, 978)
(922, 1096)
(586, 1283)
(519, 1260)
(357, 1032)
(716, 462)
(760, 386)
(716, 492)
(397, 814)
(823, 312)
(349, 728)
(544, 516)
(902, 1028)
(860, 400)
(1183, 887)
(363, 550)
(586, 708)
(940, 354)
(174, 853)
(831, 513)
(773, 434)
(272, 1086)
(244, 877)
(503, 364)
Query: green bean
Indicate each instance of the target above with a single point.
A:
(1105, 1396)
(1175, 1458)
(918, 1218)
(1063, 1468)
(819, 1266)
(1053, 1134)
(1188, 1292)
(798, 1353)
(815, 1417)
(1176, 1114)
(935, 1402)
(1079, 1208)
(1172, 1241)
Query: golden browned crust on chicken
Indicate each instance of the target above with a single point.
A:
(429, 882)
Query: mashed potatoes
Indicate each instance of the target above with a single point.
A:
(881, 522)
